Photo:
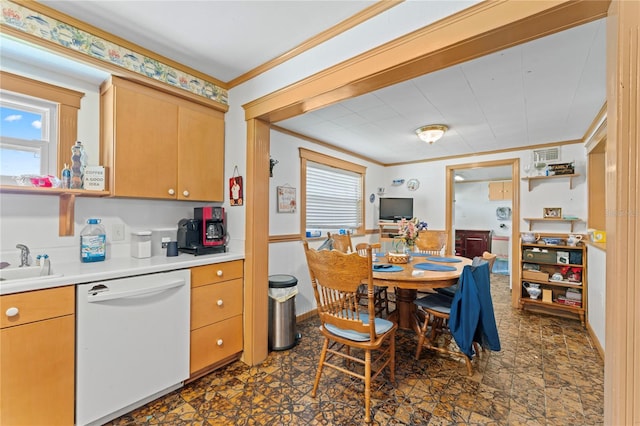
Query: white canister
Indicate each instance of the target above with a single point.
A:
(141, 244)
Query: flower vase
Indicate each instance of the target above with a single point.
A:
(399, 255)
(399, 245)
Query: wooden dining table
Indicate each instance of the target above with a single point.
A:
(407, 283)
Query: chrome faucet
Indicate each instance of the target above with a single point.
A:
(24, 255)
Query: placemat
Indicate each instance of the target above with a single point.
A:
(444, 259)
(434, 267)
(387, 268)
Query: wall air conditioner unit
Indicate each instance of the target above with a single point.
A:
(546, 155)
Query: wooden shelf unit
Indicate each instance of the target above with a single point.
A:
(67, 199)
(578, 252)
(531, 179)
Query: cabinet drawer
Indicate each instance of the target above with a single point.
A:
(203, 275)
(215, 302)
(37, 305)
(215, 342)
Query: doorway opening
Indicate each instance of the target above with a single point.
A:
(507, 170)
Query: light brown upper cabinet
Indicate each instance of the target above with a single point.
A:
(156, 145)
(500, 190)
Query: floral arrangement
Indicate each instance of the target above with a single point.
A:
(408, 230)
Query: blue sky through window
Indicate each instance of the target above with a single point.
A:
(20, 124)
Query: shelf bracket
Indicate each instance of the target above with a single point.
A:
(67, 213)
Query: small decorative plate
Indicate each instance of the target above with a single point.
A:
(503, 213)
(413, 184)
(372, 198)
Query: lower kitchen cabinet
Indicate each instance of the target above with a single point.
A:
(38, 357)
(216, 316)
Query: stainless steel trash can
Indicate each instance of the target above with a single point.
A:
(282, 312)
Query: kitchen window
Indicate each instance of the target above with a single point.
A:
(53, 109)
(332, 194)
(27, 137)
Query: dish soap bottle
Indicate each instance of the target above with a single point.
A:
(93, 242)
(78, 164)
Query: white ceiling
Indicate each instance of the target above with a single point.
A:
(544, 91)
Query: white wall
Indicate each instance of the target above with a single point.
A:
(474, 210)
(597, 291)
(33, 220)
(431, 196)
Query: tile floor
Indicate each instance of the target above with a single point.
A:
(548, 373)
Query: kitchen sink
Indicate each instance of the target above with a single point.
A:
(25, 273)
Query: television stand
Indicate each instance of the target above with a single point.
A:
(388, 230)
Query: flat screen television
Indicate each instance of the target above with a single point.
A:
(396, 208)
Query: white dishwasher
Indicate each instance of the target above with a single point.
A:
(132, 343)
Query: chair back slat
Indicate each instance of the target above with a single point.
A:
(361, 248)
(335, 277)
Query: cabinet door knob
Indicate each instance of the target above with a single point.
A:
(219, 273)
(219, 342)
(172, 191)
(185, 193)
(12, 311)
(220, 302)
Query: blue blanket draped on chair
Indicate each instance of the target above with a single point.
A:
(472, 318)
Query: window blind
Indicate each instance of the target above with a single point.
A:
(333, 199)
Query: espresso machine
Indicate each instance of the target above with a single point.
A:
(206, 233)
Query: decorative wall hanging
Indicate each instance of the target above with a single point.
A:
(286, 199)
(413, 184)
(552, 213)
(503, 213)
(235, 189)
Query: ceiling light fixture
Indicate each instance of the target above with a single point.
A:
(432, 132)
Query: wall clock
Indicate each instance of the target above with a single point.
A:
(413, 184)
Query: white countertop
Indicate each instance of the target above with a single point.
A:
(77, 272)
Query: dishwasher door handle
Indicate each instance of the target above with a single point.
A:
(108, 295)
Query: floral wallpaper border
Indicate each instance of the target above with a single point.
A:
(44, 27)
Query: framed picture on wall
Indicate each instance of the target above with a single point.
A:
(552, 213)
(286, 199)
